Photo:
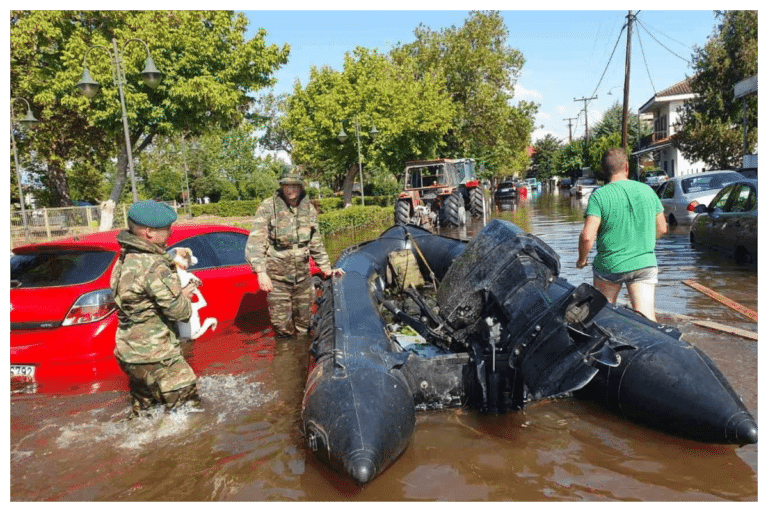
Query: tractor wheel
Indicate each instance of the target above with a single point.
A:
(453, 212)
(477, 203)
(402, 212)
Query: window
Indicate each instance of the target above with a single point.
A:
(669, 191)
(219, 249)
(59, 268)
(721, 199)
(743, 199)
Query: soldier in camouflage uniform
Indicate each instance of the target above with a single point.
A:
(150, 300)
(285, 234)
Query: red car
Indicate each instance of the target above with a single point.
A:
(63, 316)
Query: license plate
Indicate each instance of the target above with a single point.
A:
(23, 371)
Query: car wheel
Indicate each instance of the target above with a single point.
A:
(672, 220)
(743, 256)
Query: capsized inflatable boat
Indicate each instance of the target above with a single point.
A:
(420, 321)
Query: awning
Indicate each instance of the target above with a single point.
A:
(651, 149)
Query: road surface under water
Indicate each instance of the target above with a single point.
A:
(247, 444)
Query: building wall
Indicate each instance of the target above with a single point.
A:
(670, 159)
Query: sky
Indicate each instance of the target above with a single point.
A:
(566, 52)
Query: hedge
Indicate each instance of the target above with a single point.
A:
(332, 216)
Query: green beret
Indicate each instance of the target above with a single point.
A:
(291, 179)
(152, 214)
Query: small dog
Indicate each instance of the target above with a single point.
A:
(192, 329)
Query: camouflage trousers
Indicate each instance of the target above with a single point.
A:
(289, 307)
(170, 382)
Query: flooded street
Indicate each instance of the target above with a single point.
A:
(247, 444)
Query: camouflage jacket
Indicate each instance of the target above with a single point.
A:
(148, 294)
(283, 238)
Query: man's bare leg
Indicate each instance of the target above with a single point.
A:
(642, 295)
(609, 289)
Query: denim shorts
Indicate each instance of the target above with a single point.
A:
(642, 275)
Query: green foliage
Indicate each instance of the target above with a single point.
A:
(354, 216)
(611, 123)
(711, 128)
(411, 116)
(479, 71)
(569, 159)
(543, 161)
(208, 67)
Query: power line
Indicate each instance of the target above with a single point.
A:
(669, 37)
(609, 60)
(647, 70)
(670, 51)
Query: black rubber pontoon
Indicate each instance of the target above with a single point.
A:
(510, 331)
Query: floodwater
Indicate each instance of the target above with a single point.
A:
(246, 445)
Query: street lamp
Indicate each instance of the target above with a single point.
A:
(30, 121)
(343, 137)
(194, 149)
(89, 88)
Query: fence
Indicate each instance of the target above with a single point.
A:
(46, 224)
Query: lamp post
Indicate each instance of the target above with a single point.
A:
(343, 137)
(30, 121)
(89, 88)
(195, 148)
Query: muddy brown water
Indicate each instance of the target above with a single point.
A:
(247, 443)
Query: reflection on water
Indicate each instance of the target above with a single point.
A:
(246, 444)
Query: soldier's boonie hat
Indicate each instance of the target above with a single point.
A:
(290, 178)
(152, 214)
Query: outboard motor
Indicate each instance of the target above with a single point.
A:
(530, 332)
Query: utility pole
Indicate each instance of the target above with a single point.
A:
(625, 112)
(570, 135)
(586, 120)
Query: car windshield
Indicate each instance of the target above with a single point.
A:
(58, 268)
(705, 182)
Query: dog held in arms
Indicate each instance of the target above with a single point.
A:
(193, 329)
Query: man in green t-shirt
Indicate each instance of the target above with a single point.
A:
(625, 217)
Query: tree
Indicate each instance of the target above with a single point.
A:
(710, 126)
(543, 160)
(208, 69)
(411, 116)
(479, 71)
(611, 123)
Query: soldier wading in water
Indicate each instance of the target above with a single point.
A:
(150, 301)
(285, 234)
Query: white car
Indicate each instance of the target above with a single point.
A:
(584, 186)
(681, 194)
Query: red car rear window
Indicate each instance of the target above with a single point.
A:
(59, 268)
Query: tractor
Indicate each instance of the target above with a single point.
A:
(440, 192)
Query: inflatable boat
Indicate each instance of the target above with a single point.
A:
(421, 321)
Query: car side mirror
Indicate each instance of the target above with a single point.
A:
(700, 208)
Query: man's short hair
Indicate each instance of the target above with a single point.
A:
(613, 161)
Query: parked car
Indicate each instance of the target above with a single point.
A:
(506, 189)
(584, 186)
(63, 315)
(680, 194)
(655, 177)
(729, 223)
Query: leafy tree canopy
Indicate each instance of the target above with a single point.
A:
(208, 67)
(479, 71)
(712, 123)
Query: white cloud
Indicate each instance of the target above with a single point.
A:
(521, 93)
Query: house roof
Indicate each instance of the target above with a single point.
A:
(682, 87)
(680, 90)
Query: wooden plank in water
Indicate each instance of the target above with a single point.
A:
(728, 329)
(752, 315)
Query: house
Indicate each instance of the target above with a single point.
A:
(662, 111)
